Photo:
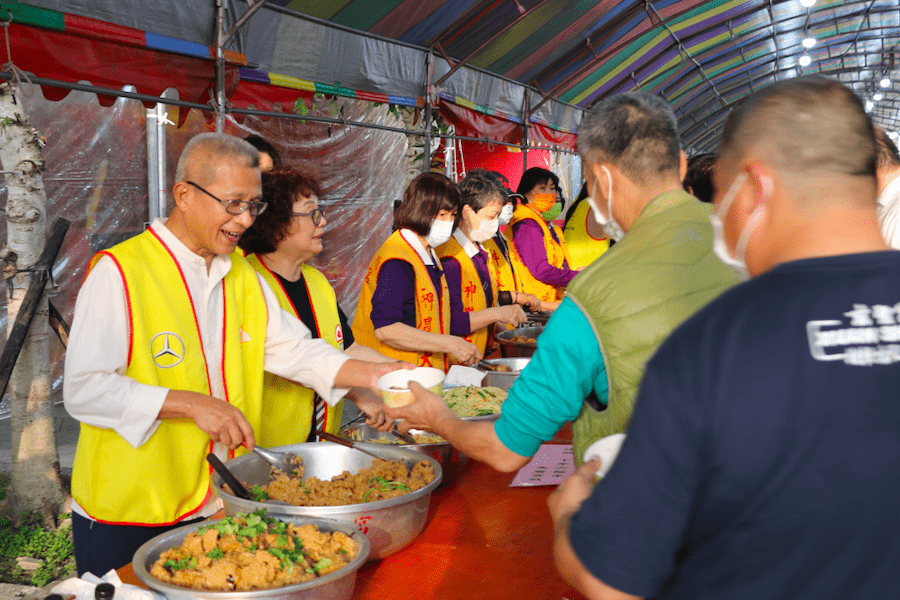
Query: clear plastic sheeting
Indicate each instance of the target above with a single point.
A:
(96, 178)
(363, 171)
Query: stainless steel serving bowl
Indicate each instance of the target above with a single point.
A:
(509, 348)
(334, 586)
(501, 379)
(389, 524)
(451, 460)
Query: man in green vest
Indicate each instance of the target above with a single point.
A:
(171, 333)
(592, 352)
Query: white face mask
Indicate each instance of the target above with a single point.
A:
(505, 214)
(439, 233)
(610, 227)
(485, 231)
(720, 248)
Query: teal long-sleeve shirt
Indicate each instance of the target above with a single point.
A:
(549, 392)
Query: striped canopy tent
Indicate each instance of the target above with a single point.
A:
(701, 56)
(488, 65)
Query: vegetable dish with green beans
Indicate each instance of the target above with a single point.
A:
(475, 401)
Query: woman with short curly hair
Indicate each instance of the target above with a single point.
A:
(278, 245)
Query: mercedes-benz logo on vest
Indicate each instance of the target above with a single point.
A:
(167, 349)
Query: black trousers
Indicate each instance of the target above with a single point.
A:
(100, 547)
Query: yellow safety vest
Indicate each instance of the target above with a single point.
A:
(472, 291)
(557, 255)
(167, 478)
(432, 306)
(288, 406)
(583, 247)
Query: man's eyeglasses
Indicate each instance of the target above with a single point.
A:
(236, 207)
(317, 215)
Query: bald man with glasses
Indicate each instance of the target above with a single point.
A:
(171, 334)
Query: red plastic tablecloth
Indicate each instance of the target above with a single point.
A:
(483, 539)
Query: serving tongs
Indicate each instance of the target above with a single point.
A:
(339, 440)
(395, 432)
(403, 436)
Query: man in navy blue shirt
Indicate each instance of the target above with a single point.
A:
(761, 461)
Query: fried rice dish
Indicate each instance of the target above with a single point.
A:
(251, 552)
(383, 479)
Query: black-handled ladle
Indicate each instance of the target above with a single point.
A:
(236, 486)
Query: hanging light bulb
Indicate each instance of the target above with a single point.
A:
(877, 96)
(885, 82)
(804, 60)
(869, 105)
(807, 3)
(809, 42)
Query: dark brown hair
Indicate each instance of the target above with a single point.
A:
(426, 196)
(532, 178)
(281, 188)
(886, 151)
(699, 176)
(262, 145)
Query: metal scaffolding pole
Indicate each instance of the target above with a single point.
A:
(426, 122)
(220, 66)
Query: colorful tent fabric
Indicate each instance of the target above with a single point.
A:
(540, 60)
(701, 56)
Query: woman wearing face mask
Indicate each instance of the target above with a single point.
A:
(584, 236)
(404, 305)
(541, 247)
(477, 300)
(278, 245)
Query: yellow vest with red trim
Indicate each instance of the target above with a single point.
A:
(287, 406)
(472, 292)
(583, 248)
(167, 478)
(501, 269)
(557, 255)
(432, 306)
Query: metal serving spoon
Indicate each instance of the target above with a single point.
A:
(283, 461)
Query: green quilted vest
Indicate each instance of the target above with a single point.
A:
(660, 273)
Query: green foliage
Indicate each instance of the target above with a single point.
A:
(30, 538)
(4, 483)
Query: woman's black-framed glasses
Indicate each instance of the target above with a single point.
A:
(317, 216)
(236, 207)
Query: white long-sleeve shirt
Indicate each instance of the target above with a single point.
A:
(889, 212)
(96, 390)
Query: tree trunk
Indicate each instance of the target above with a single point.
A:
(35, 484)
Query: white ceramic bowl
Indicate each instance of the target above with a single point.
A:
(607, 449)
(395, 385)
